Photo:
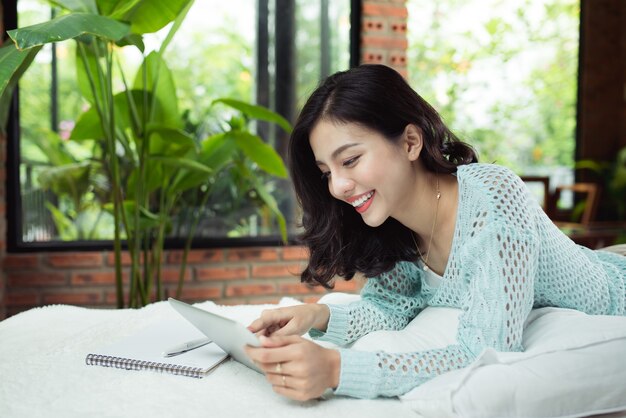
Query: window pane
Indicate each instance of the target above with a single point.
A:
(213, 55)
(503, 74)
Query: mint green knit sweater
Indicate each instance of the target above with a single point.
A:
(507, 257)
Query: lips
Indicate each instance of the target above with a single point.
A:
(362, 203)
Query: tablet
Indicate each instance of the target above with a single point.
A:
(229, 335)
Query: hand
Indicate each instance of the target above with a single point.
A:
(297, 368)
(293, 320)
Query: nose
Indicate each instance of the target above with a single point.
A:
(341, 187)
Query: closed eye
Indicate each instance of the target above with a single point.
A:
(351, 161)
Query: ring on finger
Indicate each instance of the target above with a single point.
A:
(279, 368)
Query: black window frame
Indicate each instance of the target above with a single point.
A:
(15, 244)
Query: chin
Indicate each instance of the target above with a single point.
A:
(374, 221)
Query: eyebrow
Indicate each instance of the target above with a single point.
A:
(339, 151)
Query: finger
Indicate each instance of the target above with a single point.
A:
(257, 325)
(276, 341)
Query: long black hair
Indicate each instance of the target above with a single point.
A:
(378, 98)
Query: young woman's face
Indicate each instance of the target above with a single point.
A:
(363, 169)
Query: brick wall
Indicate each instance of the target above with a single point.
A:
(383, 33)
(226, 276)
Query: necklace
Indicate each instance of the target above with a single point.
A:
(432, 231)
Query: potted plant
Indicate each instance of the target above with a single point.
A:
(148, 160)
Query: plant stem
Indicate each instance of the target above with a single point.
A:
(189, 240)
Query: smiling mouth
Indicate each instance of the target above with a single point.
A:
(362, 203)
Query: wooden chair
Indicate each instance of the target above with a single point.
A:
(591, 199)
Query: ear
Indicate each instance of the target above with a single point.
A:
(412, 141)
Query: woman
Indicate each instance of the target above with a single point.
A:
(388, 191)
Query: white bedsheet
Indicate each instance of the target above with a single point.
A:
(43, 373)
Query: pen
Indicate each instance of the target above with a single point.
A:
(188, 346)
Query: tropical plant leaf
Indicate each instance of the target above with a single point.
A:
(216, 151)
(259, 152)
(13, 63)
(147, 16)
(256, 112)
(116, 9)
(182, 163)
(165, 90)
(132, 39)
(168, 141)
(68, 27)
(79, 6)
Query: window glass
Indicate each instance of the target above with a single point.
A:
(213, 55)
(503, 74)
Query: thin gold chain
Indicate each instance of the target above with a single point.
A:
(432, 232)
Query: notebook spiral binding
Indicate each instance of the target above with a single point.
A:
(130, 364)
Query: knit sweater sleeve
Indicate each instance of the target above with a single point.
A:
(493, 315)
(388, 301)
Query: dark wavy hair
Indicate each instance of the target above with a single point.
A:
(378, 98)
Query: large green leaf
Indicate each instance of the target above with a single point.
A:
(88, 125)
(13, 63)
(158, 71)
(68, 27)
(182, 163)
(167, 141)
(84, 6)
(116, 9)
(259, 152)
(216, 151)
(256, 112)
(147, 16)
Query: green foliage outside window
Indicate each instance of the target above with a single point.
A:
(503, 74)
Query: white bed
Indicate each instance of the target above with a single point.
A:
(43, 371)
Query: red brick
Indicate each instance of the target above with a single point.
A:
(221, 273)
(253, 254)
(36, 278)
(200, 293)
(171, 275)
(88, 298)
(110, 298)
(111, 258)
(12, 261)
(196, 256)
(106, 277)
(386, 42)
(373, 25)
(75, 260)
(22, 298)
(373, 9)
(277, 270)
(250, 290)
(295, 254)
(298, 288)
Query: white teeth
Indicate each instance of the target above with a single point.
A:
(362, 199)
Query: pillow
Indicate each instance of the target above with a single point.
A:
(573, 365)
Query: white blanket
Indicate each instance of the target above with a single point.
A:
(43, 373)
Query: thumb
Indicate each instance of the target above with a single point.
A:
(279, 340)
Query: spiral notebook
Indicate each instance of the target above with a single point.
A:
(144, 351)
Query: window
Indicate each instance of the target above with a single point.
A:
(503, 74)
(270, 52)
